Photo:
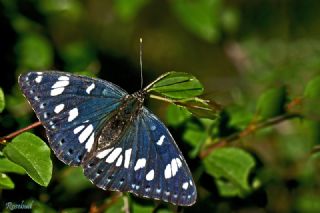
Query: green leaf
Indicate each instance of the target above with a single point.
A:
(34, 52)
(176, 85)
(31, 153)
(8, 166)
(38, 207)
(2, 101)
(177, 115)
(200, 108)
(312, 99)
(116, 207)
(5, 182)
(128, 9)
(231, 168)
(137, 208)
(73, 181)
(201, 17)
(272, 102)
(195, 137)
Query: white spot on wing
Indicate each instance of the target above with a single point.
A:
(190, 183)
(140, 164)
(167, 171)
(63, 78)
(90, 88)
(59, 84)
(160, 141)
(58, 108)
(57, 91)
(39, 79)
(127, 158)
(179, 162)
(114, 154)
(174, 167)
(104, 153)
(150, 175)
(73, 114)
(153, 127)
(119, 161)
(78, 129)
(85, 133)
(90, 142)
(185, 185)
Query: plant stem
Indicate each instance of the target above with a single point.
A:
(251, 128)
(4, 139)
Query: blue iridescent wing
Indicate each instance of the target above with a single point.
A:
(71, 108)
(147, 162)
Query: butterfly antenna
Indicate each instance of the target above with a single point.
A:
(141, 76)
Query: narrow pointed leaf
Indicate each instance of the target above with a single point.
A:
(31, 153)
(176, 85)
(200, 108)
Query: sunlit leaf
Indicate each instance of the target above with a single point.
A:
(8, 166)
(177, 85)
(2, 101)
(231, 168)
(31, 153)
(5, 182)
(200, 108)
(201, 17)
(272, 102)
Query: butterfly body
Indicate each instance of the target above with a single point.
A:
(118, 142)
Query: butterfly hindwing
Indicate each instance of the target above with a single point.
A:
(147, 162)
(71, 108)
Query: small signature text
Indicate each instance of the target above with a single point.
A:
(22, 205)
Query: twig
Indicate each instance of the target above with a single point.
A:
(4, 139)
(251, 128)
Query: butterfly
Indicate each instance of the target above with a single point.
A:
(118, 142)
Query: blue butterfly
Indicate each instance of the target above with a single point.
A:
(120, 144)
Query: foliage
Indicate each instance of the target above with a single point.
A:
(257, 151)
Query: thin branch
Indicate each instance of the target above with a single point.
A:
(4, 139)
(251, 128)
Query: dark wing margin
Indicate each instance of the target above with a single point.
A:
(71, 108)
(146, 162)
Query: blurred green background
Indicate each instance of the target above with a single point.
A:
(241, 50)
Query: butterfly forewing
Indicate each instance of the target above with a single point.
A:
(147, 162)
(71, 108)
